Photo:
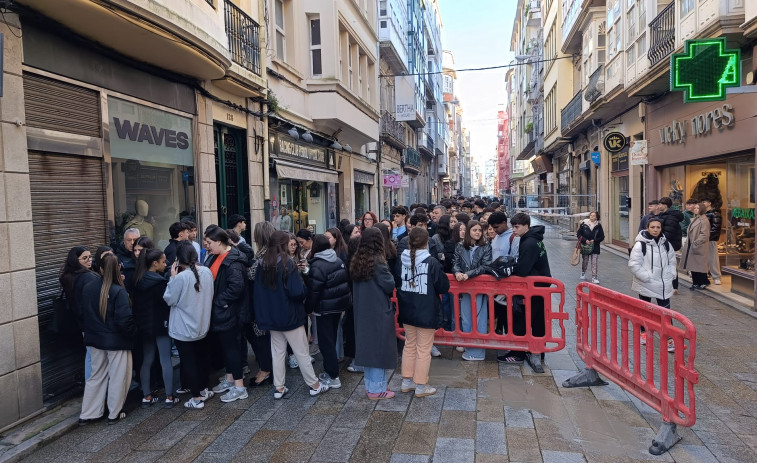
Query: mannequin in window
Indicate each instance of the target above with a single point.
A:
(301, 220)
(295, 216)
(139, 221)
(285, 222)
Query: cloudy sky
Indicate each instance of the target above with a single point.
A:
(478, 33)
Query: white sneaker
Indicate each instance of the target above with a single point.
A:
(423, 390)
(460, 349)
(332, 383)
(355, 368)
(716, 281)
(408, 385)
(435, 352)
(280, 394)
(235, 393)
(206, 394)
(583, 276)
(293, 362)
(595, 281)
(323, 387)
(223, 386)
(191, 403)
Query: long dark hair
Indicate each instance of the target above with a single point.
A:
(218, 234)
(417, 239)
(443, 229)
(261, 234)
(352, 246)
(348, 230)
(111, 276)
(389, 248)
(72, 267)
(145, 242)
(186, 256)
(277, 252)
(370, 250)
(146, 258)
(320, 244)
(468, 241)
(96, 261)
(456, 232)
(340, 246)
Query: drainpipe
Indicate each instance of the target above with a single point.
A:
(266, 167)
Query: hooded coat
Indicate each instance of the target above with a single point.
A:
(587, 232)
(328, 284)
(695, 256)
(653, 271)
(282, 308)
(230, 298)
(671, 227)
(150, 310)
(715, 219)
(189, 318)
(532, 255)
(471, 261)
(418, 296)
(128, 263)
(375, 336)
(118, 329)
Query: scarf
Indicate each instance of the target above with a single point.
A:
(591, 224)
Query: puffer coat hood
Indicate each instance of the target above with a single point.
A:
(654, 270)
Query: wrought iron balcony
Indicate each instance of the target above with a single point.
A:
(663, 38)
(596, 86)
(392, 131)
(412, 158)
(244, 38)
(571, 111)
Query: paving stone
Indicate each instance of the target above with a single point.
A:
(262, 446)
(490, 410)
(451, 450)
(460, 399)
(169, 436)
(623, 411)
(337, 444)
(399, 403)
(487, 458)
(550, 456)
(510, 371)
(490, 438)
(311, 428)
(522, 445)
(405, 458)
(458, 424)
(234, 437)
(610, 392)
(218, 422)
(372, 450)
(290, 414)
(262, 409)
(732, 453)
(383, 425)
(188, 448)
(719, 438)
(426, 409)
(293, 452)
(558, 435)
(518, 418)
(488, 369)
(417, 438)
(685, 453)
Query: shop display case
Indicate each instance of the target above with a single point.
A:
(739, 226)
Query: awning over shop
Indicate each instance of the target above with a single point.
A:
(286, 169)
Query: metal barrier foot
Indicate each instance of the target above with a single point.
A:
(665, 439)
(586, 377)
(534, 360)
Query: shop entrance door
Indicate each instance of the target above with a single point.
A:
(232, 185)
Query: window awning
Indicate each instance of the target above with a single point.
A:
(286, 169)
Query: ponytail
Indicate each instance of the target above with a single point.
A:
(417, 239)
(197, 276)
(412, 267)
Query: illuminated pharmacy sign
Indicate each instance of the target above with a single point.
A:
(704, 70)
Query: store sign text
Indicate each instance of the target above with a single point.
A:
(701, 125)
(739, 213)
(150, 134)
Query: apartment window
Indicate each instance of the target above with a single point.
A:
(448, 85)
(687, 6)
(550, 112)
(350, 79)
(382, 8)
(280, 30)
(315, 47)
(550, 47)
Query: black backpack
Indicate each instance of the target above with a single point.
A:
(644, 247)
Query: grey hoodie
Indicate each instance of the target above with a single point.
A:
(328, 255)
(189, 319)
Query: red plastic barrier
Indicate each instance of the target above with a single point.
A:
(510, 286)
(601, 311)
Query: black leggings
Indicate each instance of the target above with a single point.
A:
(261, 346)
(700, 278)
(229, 342)
(194, 365)
(327, 327)
(661, 302)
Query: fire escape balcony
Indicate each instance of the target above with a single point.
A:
(391, 131)
(663, 38)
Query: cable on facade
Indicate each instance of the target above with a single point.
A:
(486, 68)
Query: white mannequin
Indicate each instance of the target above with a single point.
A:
(139, 222)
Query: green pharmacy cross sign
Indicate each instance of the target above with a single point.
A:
(704, 70)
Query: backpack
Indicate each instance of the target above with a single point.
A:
(644, 247)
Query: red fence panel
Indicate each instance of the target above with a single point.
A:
(602, 313)
(528, 288)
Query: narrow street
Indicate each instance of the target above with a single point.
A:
(483, 412)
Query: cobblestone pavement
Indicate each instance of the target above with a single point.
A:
(483, 412)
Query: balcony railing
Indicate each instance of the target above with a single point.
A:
(392, 130)
(244, 38)
(663, 37)
(571, 111)
(412, 158)
(596, 86)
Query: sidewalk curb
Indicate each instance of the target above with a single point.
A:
(682, 278)
(26, 448)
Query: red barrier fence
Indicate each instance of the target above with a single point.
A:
(601, 312)
(529, 288)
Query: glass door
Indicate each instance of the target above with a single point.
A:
(619, 208)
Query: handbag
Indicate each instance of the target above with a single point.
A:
(63, 322)
(576, 257)
(588, 248)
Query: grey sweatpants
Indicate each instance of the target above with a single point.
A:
(111, 377)
(714, 262)
(163, 343)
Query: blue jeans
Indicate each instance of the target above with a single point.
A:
(448, 310)
(482, 310)
(375, 380)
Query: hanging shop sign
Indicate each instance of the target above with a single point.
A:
(705, 69)
(615, 142)
(404, 98)
(392, 180)
(596, 157)
(701, 125)
(638, 153)
(363, 177)
(285, 146)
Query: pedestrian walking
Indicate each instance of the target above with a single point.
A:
(716, 225)
(420, 283)
(229, 268)
(653, 265)
(695, 257)
(591, 232)
(373, 286)
(328, 297)
(109, 328)
(189, 294)
(470, 258)
(279, 303)
(151, 314)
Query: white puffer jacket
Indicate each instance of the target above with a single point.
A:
(653, 272)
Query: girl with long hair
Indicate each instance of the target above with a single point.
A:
(470, 258)
(151, 314)
(189, 293)
(444, 235)
(591, 232)
(420, 282)
(108, 330)
(279, 303)
(368, 220)
(372, 286)
(143, 242)
(337, 242)
(229, 268)
(351, 231)
(74, 275)
(349, 317)
(260, 340)
(389, 247)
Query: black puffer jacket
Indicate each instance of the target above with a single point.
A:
(532, 255)
(585, 233)
(118, 330)
(328, 284)
(716, 223)
(671, 227)
(73, 284)
(230, 298)
(128, 264)
(150, 310)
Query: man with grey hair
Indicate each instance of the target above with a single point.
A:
(125, 253)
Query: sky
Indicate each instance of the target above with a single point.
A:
(478, 34)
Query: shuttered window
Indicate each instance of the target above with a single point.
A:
(60, 106)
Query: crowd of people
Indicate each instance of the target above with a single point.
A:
(288, 297)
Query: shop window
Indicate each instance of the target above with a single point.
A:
(152, 169)
(738, 218)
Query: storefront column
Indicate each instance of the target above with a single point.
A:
(205, 165)
(255, 145)
(346, 190)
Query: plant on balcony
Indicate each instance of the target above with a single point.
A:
(273, 102)
(529, 127)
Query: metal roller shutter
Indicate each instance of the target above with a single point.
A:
(68, 209)
(59, 106)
